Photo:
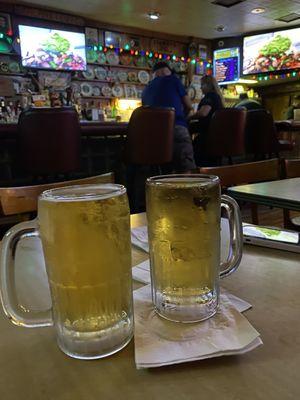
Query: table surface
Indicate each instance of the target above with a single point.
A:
(288, 124)
(284, 193)
(32, 367)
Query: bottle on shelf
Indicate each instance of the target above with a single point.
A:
(3, 107)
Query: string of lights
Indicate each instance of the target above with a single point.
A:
(152, 54)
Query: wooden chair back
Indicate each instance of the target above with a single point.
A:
(23, 199)
(239, 174)
(291, 168)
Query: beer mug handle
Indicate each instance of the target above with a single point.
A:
(8, 291)
(236, 236)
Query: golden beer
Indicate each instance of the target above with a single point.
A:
(86, 241)
(184, 236)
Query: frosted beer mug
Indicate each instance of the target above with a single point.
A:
(184, 213)
(85, 233)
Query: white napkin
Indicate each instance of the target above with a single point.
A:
(141, 273)
(139, 238)
(159, 342)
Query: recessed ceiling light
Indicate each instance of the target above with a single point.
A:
(154, 15)
(258, 10)
(220, 28)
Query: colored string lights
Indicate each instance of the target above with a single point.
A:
(153, 54)
(278, 75)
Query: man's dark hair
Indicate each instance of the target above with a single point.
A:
(243, 96)
(159, 65)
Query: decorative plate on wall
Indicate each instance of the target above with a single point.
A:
(106, 91)
(112, 58)
(117, 91)
(89, 73)
(122, 76)
(101, 58)
(96, 91)
(100, 73)
(144, 77)
(86, 89)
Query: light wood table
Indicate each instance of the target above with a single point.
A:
(33, 368)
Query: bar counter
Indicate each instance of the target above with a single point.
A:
(88, 128)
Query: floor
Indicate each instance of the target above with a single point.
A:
(267, 216)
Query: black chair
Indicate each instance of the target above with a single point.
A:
(261, 136)
(225, 137)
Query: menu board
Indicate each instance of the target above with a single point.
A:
(227, 65)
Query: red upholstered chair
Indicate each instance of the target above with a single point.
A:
(261, 135)
(49, 141)
(226, 134)
(148, 147)
(150, 136)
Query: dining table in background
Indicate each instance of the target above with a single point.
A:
(32, 367)
(284, 193)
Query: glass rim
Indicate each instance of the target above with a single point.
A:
(184, 178)
(85, 192)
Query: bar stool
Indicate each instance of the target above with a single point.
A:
(149, 147)
(226, 135)
(49, 141)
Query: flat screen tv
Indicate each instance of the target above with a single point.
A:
(227, 65)
(52, 49)
(274, 51)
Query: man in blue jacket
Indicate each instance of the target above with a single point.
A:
(166, 90)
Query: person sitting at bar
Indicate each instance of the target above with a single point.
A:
(199, 121)
(248, 104)
(295, 104)
(166, 90)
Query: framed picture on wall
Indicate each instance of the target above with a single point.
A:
(202, 49)
(5, 23)
(91, 36)
(112, 39)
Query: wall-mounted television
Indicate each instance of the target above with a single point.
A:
(227, 65)
(52, 49)
(274, 51)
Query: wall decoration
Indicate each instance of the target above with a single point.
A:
(5, 24)
(202, 49)
(54, 80)
(192, 50)
(112, 39)
(91, 36)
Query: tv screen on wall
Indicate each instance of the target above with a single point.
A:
(274, 51)
(52, 49)
(227, 65)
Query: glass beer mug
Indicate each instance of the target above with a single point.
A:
(85, 234)
(184, 214)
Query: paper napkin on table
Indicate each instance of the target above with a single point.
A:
(141, 273)
(139, 238)
(159, 342)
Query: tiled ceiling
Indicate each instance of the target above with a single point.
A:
(181, 17)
